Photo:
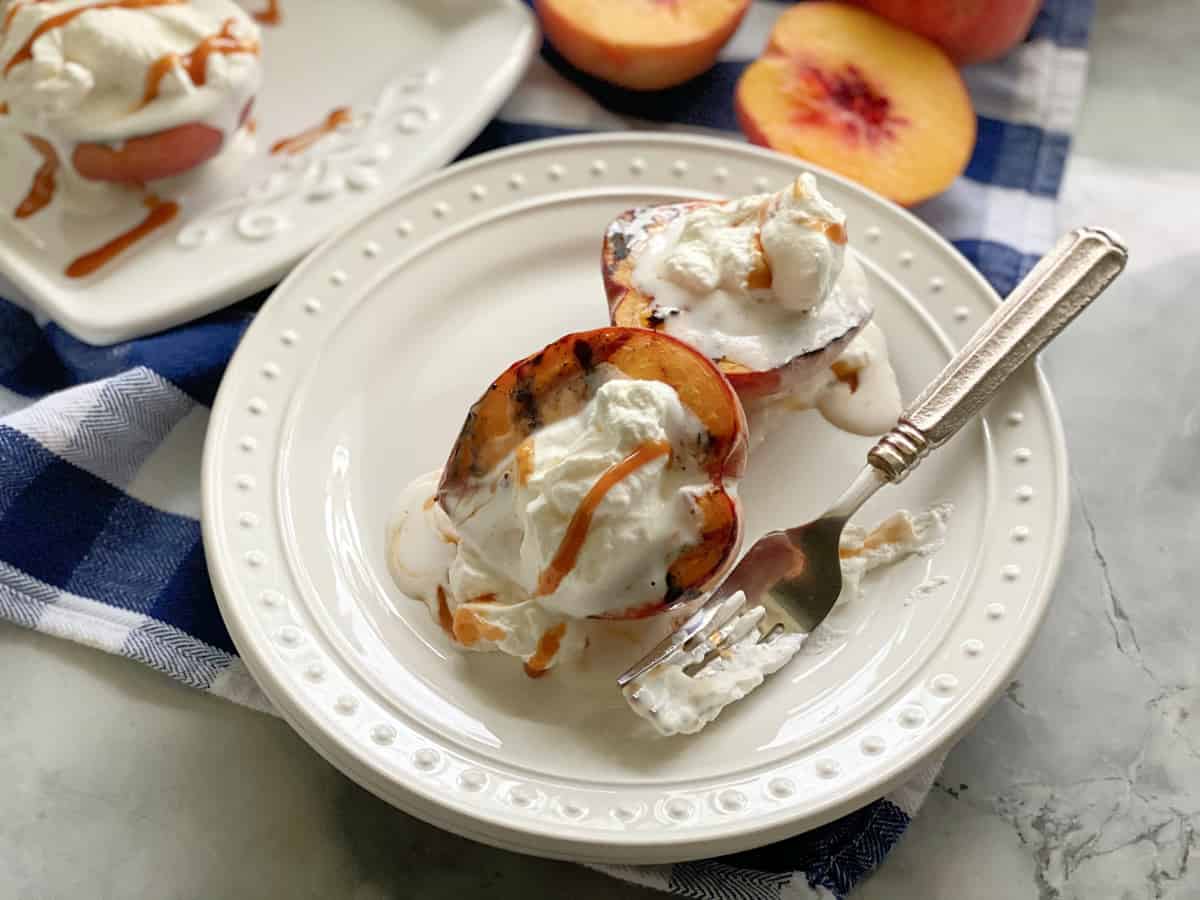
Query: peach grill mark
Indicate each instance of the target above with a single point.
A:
(25, 53)
(538, 664)
(577, 529)
(844, 99)
(298, 143)
(160, 213)
(195, 61)
(41, 191)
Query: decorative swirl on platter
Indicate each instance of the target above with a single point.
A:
(345, 161)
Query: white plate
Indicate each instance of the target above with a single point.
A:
(355, 377)
(422, 77)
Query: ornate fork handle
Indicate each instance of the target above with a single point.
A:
(1074, 273)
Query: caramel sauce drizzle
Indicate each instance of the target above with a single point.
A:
(195, 61)
(846, 375)
(469, 628)
(547, 648)
(25, 53)
(760, 277)
(298, 143)
(524, 461)
(577, 529)
(269, 16)
(894, 530)
(445, 619)
(41, 191)
(834, 231)
(17, 6)
(161, 212)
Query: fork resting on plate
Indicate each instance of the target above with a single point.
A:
(795, 575)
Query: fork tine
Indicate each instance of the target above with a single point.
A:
(712, 615)
(725, 636)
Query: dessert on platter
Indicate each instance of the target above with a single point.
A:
(594, 484)
(120, 101)
(128, 91)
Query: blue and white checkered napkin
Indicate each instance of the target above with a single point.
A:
(100, 447)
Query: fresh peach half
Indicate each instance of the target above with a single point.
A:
(630, 307)
(641, 44)
(151, 156)
(848, 90)
(558, 382)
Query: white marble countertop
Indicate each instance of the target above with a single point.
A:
(1083, 781)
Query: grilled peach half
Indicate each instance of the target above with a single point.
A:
(630, 307)
(558, 382)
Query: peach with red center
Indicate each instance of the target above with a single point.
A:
(844, 88)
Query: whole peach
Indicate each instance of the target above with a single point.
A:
(970, 31)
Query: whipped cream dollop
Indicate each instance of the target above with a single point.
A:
(85, 78)
(791, 243)
(483, 575)
(677, 698)
(637, 529)
(757, 280)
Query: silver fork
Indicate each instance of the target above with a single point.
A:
(796, 574)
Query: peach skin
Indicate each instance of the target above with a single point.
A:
(970, 31)
(149, 157)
